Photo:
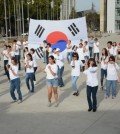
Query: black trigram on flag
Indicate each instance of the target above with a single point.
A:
(73, 29)
(39, 31)
(39, 52)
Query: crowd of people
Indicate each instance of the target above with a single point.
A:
(84, 58)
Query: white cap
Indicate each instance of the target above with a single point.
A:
(57, 49)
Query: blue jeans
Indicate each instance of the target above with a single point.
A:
(69, 56)
(74, 82)
(103, 74)
(60, 74)
(30, 76)
(110, 83)
(18, 60)
(92, 91)
(15, 84)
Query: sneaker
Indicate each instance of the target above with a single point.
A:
(113, 97)
(56, 104)
(77, 94)
(20, 101)
(74, 93)
(94, 110)
(90, 109)
(49, 104)
(106, 97)
(13, 101)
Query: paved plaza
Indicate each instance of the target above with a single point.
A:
(71, 117)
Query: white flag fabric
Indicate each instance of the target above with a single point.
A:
(57, 33)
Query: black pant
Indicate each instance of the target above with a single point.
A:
(92, 91)
(35, 69)
(96, 54)
(5, 63)
(90, 50)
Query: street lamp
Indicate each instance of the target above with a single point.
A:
(5, 18)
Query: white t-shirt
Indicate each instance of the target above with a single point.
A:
(103, 60)
(76, 69)
(92, 76)
(112, 73)
(25, 44)
(25, 55)
(30, 70)
(6, 53)
(15, 69)
(70, 49)
(111, 51)
(54, 68)
(34, 60)
(17, 52)
(12, 54)
(50, 51)
(59, 60)
(115, 50)
(86, 51)
(80, 53)
(96, 47)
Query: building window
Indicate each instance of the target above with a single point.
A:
(117, 11)
(117, 24)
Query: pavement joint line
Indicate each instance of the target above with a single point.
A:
(105, 112)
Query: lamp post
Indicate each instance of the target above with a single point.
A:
(5, 18)
(28, 3)
(23, 25)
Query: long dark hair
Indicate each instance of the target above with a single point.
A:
(92, 59)
(106, 52)
(30, 56)
(52, 57)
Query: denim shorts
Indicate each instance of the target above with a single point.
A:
(52, 82)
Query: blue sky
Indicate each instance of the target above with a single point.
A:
(87, 4)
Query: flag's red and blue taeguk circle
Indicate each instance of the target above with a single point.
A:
(57, 40)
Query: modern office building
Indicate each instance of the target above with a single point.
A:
(110, 16)
(66, 8)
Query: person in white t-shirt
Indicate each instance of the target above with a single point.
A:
(10, 55)
(110, 48)
(112, 77)
(80, 52)
(52, 80)
(30, 72)
(75, 73)
(115, 49)
(60, 63)
(43, 46)
(92, 84)
(104, 62)
(69, 51)
(48, 52)
(16, 49)
(86, 51)
(4, 53)
(96, 50)
(14, 81)
(25, 43)
(32, 51)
